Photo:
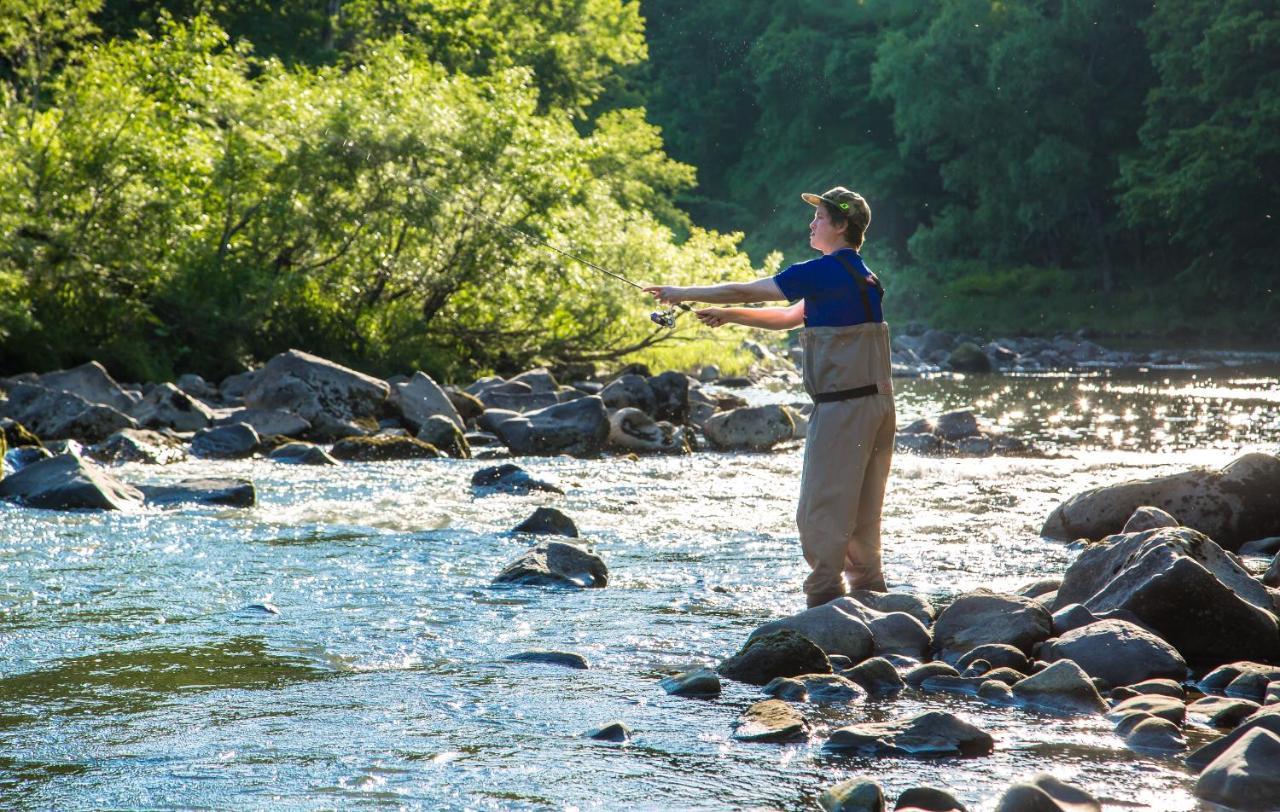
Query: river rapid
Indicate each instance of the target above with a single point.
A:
(138, 667)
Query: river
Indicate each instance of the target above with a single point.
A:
(136, 671)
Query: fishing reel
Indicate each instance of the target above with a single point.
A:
(667, 318)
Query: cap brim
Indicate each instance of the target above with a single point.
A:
(811, 198)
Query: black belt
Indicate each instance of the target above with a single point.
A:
(847, 394)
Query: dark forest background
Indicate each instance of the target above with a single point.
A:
(193, 186)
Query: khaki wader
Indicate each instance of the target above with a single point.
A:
(847, 454)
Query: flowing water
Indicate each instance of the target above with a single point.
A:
(138, 667)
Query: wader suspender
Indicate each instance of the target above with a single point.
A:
(863, 284)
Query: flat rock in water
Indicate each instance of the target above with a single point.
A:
(202, 491)
(579, 427)
(1238, 503)
(301, 453)
(831, 627)
(853, 795)
(935, 733)
(556, 563)
(67, 482)
(927, 799)
(752, 428)
(771, 720)
(548, 521)
(382, 447)
(1181, 585)
(611, 732)
(1045, 793)
(266, 421)
(568, 659)
(782, 653)
(700, 682)
(1246, 775)
(1062, 688)
(1120, 653)
(139, 445)
(235, 441)
(982, 616)
(509, 478)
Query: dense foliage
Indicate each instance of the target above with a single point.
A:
(198, 184)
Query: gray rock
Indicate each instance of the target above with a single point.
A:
(538, 380)
(630, 391)
(771, 720)
(314, 388)
(266, 422)
(232, 389)
(139, 445)
(1267, 719)
(632, 430)
(568, 659)
(556, 563)
(997, 655)
(1250, 685)
(67, 482)
(202, 491)
(831, 627)
(517, 401)
(927, 799)
(1161, 687)
(671, 396)
(781, 653)
(59, 415)
(1222, 712)
(611, 732)
(490, 419)
(1219, 679)
(1246, 775)
(1045, 793)
(383, 447)
(226, 442)
(995, 692)
(579, 427)
(1040, 588)
(983, 616)
(91, 382)
(1273, 694)
(468, 406)
(935, 733)
(1158, 705)
(753, 428)
(1148, 518)
(548, 521)
(1061, 688)
(1184, 587)
(700, 682)
(509, 478)
(302, 454)
(1118, 652)
(443, 433)
(819, 689)
(1268, 546)
(916, 676)
(853, 795)
(197, 387)
(969, 357)
(1239, 503)
(919, 608)
(876, 675)
(168, 407)
(15, 459)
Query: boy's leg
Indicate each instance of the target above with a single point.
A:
(862, 555)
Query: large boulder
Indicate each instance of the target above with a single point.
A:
(139, 445)
(831, 626)
(67, 482)
(935, 733)
(579, 427)
(632, 430)
(894, 632)
(1233, 505)
(421, 398)
(54, 414)
(314, 389)
(556, 563)
(1267, 719)
(266, 422)
(168, 407)
(752, 428)
(92, 382)
(1181, 585)
(236, 441)
(1062, 688)
(1118, 652)
(982, 616)
(1246, 776)
(782, 653)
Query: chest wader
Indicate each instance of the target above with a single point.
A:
(848, 450)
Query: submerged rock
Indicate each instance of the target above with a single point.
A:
(568, 659)
(202, 491)
(300, 453)
(960, 433)
(771, 720)
(700, 682)
(556, 563)
(67, 482)
(379, 448)
(611, 732)
(935, 733)
(548, 521)
(509, 478)
(781, 653)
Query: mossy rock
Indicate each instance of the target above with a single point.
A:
(16, 435)
(380, 447)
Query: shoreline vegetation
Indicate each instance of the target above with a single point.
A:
(183, 191)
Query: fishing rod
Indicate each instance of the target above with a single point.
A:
(663, 318)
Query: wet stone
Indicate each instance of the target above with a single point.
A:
(916, 676)
(383, 447)
(509, 478)
(784, 653)
(927, 799)
(1045, 793)
(568, 659)
(853, 795)
(935, 733)
(230, 492)
(1222, 712)
(771, 720)
(700, 682)
(548, 521)
(301, 454)
(1165, 707)
(877, 675)
(556, 563)
(611, 732)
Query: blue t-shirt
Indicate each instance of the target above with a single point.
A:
(831, 297)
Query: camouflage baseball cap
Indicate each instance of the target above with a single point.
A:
(840, 197)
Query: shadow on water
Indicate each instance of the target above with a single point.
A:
(140, 680)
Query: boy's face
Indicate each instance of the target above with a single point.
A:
(823, 235)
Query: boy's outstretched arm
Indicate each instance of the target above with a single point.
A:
(767, 318)
(761, 290)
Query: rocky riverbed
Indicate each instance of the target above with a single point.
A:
(342, 640)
